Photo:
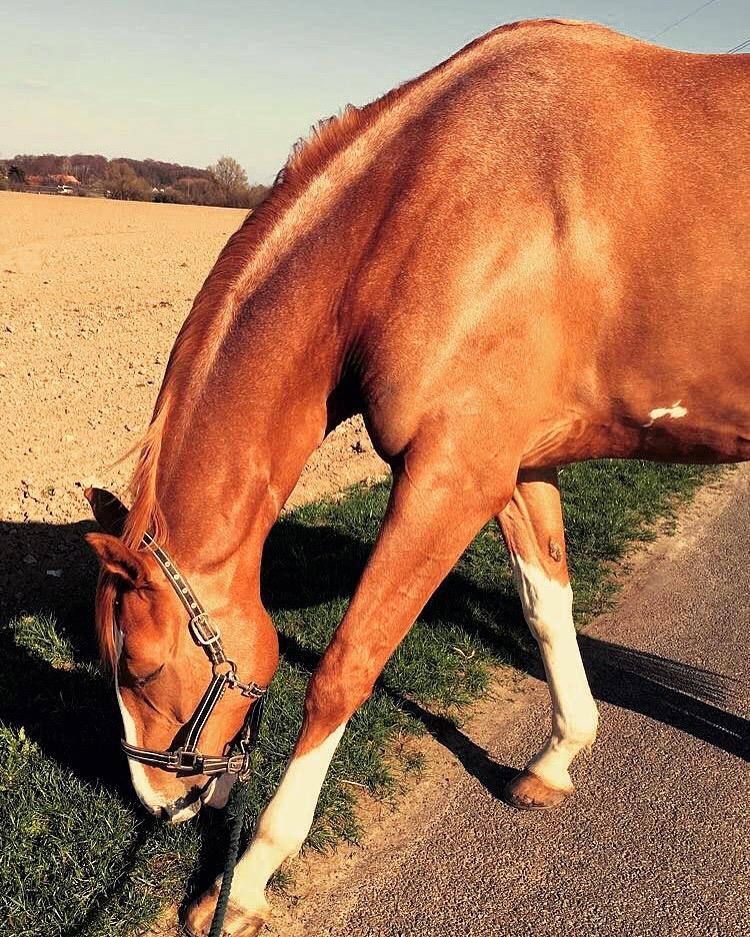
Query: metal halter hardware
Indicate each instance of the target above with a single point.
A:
(186, 759)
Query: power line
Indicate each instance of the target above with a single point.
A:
(740, 46)
(682, 19)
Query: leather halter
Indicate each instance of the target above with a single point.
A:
(186, 759)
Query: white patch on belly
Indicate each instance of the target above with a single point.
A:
(675, 412)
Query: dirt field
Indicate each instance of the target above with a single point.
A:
(92, 294)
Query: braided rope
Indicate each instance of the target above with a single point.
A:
(222, 902)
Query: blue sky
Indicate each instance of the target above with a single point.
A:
(187, 81)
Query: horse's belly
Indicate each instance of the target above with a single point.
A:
(668, 433)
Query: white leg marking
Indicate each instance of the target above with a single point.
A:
(284, 824)
(548, 609)
(675, 412)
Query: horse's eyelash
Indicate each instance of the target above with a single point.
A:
(142, 681)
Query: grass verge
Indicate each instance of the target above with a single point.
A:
(79, 857)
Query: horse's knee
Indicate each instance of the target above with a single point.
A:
(336, 690)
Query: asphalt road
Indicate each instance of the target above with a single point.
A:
(656, 840)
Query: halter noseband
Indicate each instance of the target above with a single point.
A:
(186, 759)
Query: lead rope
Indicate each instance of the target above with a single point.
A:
(222, 902)
(247, 745)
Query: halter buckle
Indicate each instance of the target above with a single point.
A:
(237, 764)
(203, 631)
(191, 762)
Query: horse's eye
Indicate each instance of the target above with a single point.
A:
(142, 681)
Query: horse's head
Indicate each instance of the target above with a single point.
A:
(162, 669)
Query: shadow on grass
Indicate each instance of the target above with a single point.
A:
(71, 713)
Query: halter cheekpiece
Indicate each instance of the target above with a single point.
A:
(186, 759)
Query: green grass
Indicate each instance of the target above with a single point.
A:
(77, 854)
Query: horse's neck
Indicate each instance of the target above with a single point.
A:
(247, 435)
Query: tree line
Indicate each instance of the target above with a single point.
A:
(223, 183)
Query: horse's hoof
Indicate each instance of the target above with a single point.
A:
(238, 922)
(526, 791)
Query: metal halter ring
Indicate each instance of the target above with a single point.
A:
(225, 668)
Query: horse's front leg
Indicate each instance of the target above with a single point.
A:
(431, 518)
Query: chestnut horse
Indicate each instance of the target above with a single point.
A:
(533, 254)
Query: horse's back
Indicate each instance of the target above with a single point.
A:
(582, 206)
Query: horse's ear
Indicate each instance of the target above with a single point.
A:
(109, 511)
(118, 559)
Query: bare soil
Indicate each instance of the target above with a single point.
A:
(92, 294)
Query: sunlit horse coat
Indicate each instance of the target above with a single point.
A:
(535, 253)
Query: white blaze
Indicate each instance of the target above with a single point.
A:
(151, 799)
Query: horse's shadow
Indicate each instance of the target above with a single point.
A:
(303, 566)
(70, 711)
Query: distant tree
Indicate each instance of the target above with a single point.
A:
(122, 182)
(198, 191)
(38, 165)
(160, 175)
(228, 174)
(16, 174)
(225, 183)
(169, 196)
(88, 168)
(249, 197)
